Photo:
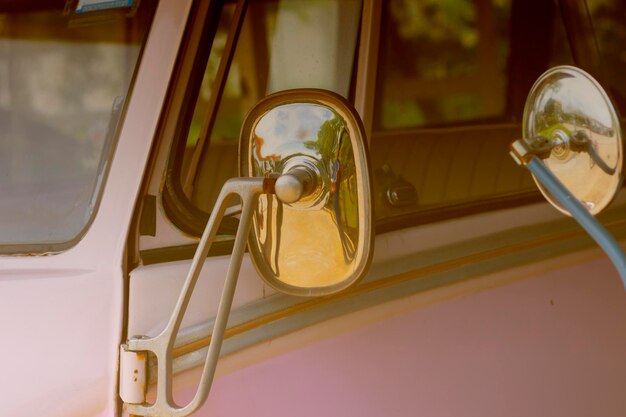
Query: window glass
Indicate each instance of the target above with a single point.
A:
(283, 44)
(451, 84)
(443, 61)
(63, 81)
(452, 81)
(206, 87)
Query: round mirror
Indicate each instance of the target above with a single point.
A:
(312, 234)
(572, 111)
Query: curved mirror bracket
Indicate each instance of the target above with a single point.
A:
(306, 216)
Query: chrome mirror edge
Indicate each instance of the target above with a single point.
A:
(566, 102)
(363, 181)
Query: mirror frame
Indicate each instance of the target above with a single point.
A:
(359, 144)
(529, 131)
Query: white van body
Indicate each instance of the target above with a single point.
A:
(504, 312)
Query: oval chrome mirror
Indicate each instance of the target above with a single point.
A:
(314, 234)
(570, 111)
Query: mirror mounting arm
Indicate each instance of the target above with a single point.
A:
(581, 214)
(248, 189)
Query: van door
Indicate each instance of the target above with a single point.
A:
(235, 54)
(460, 230)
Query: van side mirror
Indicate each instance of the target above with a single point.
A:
(572, 145)
(306, 216)
(573, 116)
(313, 235)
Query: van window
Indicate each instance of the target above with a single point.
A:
(282, 44)
(64, 78)
(452, 81)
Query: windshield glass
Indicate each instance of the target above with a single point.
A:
(65, 72)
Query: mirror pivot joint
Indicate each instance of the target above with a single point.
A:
(295, 184)
(523, 150)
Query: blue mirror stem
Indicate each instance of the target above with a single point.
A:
(580, 214)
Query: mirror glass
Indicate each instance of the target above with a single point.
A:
(321, 243)
(569, 108)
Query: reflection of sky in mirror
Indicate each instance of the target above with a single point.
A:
(289, 124)
(578, 96)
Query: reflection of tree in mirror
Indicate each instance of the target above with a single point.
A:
(334, 148)
(333, 143)
(555, 117)
(552, 113)
(326, 139)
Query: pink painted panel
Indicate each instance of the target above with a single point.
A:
(553, 345)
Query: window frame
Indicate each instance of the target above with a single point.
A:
(177, 207)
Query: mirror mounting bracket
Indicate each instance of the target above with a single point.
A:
(248, 190)
(523, 150)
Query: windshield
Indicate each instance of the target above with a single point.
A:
(64, 79)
